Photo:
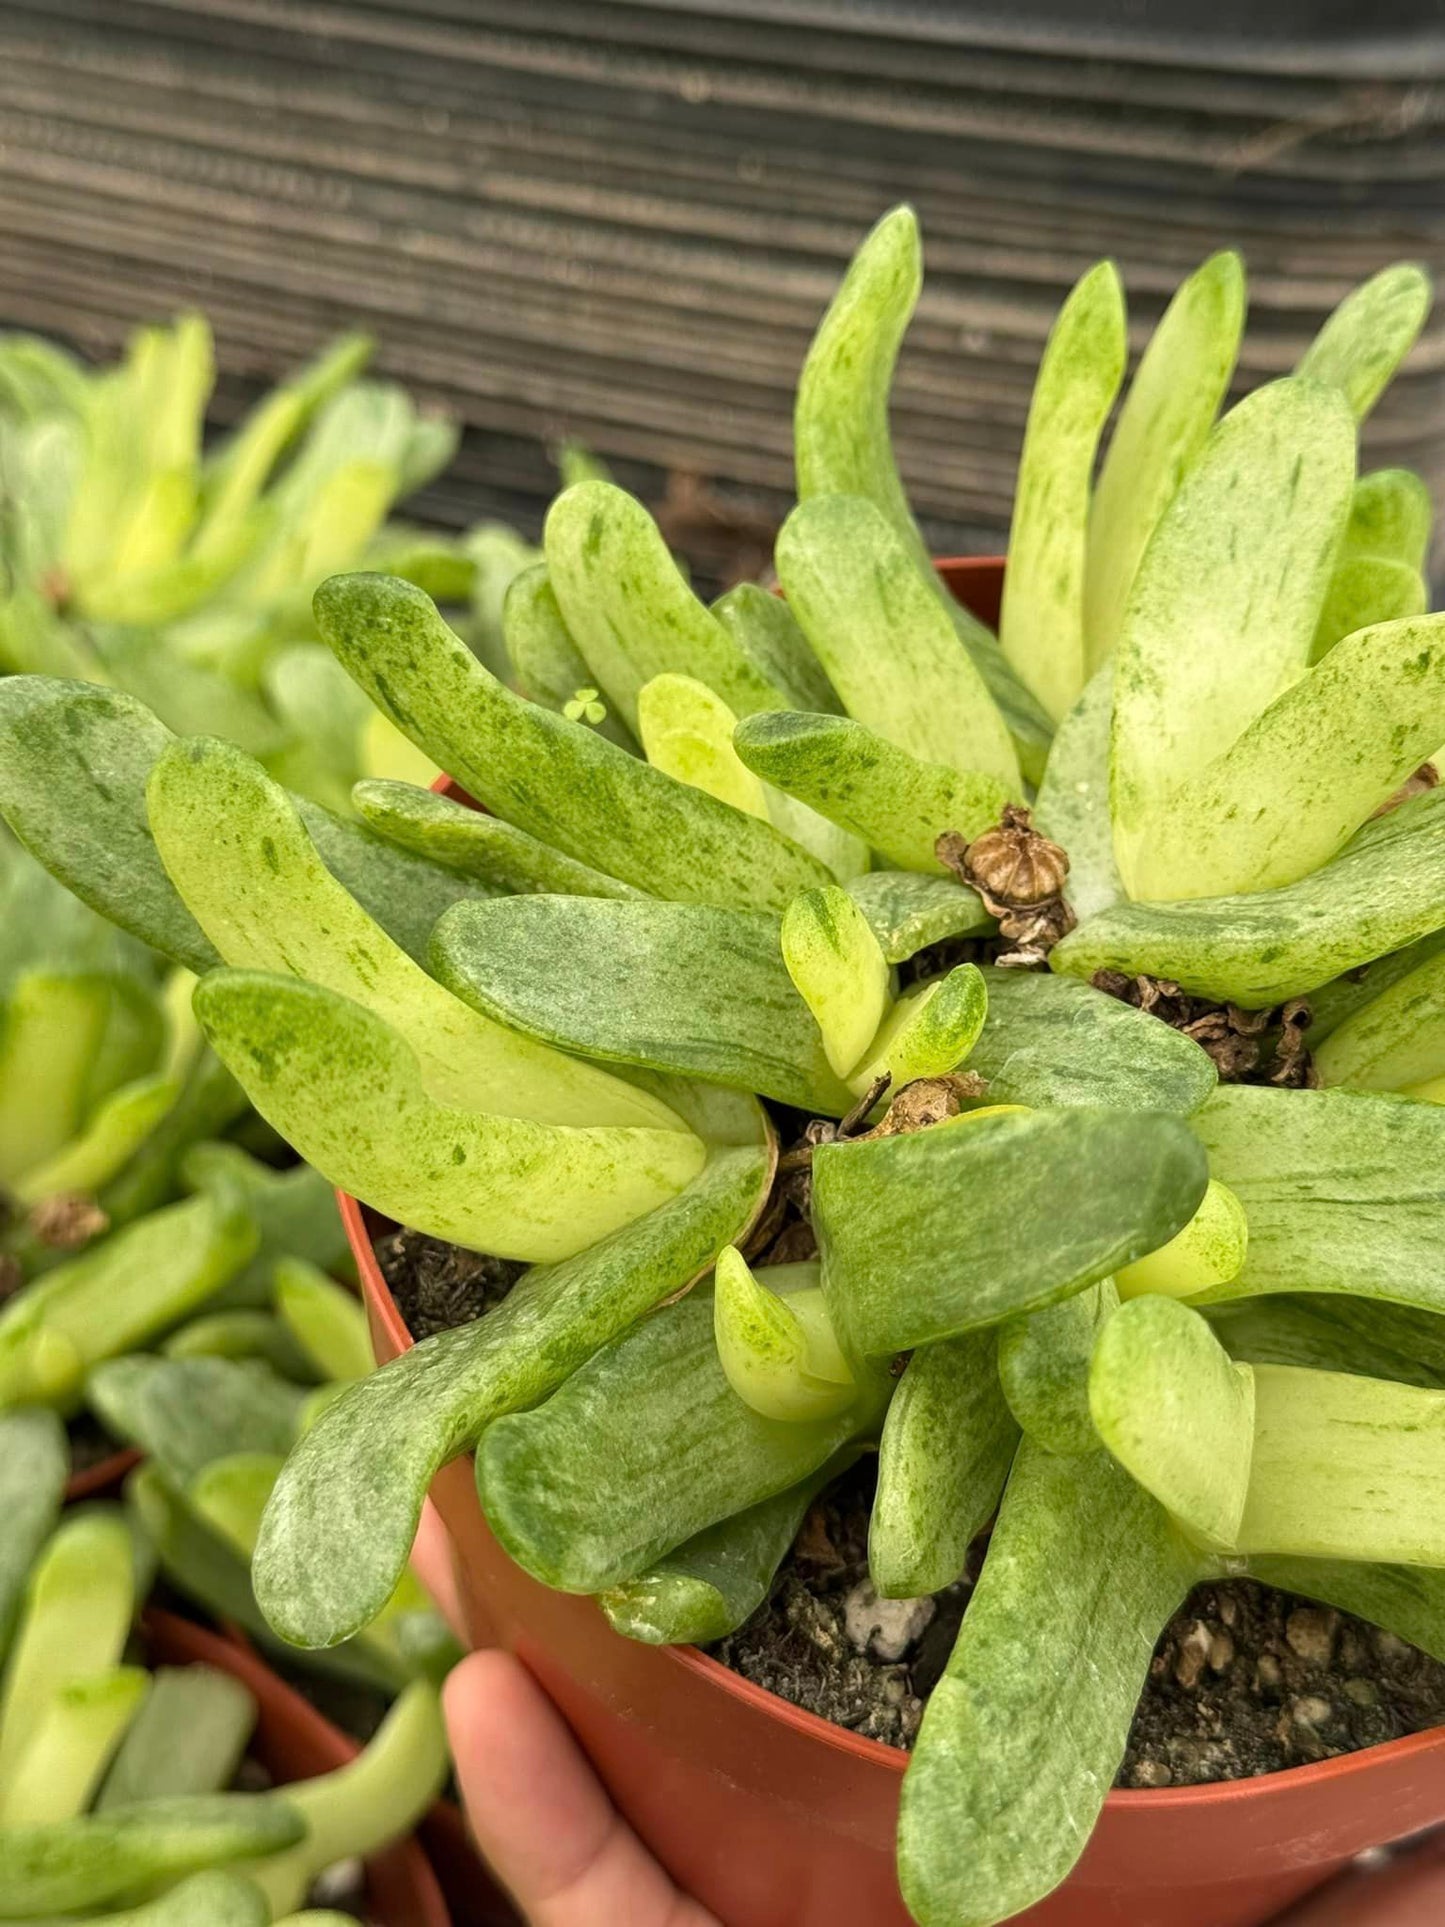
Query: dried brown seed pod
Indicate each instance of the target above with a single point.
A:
(1016, 864)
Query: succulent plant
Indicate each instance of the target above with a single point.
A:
(131, 554)
(113, 1778)
(1011, 940)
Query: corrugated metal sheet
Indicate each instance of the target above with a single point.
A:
(622, 221)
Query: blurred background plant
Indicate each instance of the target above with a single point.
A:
(134, 553)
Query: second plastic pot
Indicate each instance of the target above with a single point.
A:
(294, 1742)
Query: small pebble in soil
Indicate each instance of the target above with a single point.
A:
(886, 1628)
(342, 1887)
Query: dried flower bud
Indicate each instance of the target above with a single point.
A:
(1014, 863)
(67, 1221)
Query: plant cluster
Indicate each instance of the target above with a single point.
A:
(133, 554)
(987, 915)
(115, 1780)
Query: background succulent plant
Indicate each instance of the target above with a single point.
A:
(545, 1032)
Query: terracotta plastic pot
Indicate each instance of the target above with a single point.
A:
(775, 1818)
(294, 1742)
(1409, 1891)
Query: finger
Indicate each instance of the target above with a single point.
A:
(539, 1813)
(431, 1556)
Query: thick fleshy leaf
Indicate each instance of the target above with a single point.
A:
(841, 440)
(1344, 1192)
(211, 1101)
(1335, 1334)
(340, 1526)
(1325, 755)
(101, 1857)
(74, 759)
(358, 1808)
(676, 987)
(629, 608)
(77, 1615)
(348, 1093)
(294, 1210)
(886, 640)
(53, 1026)
(1169, 410)
(688, 732)
(1048, 1040)
(555, 779)
(74, 1738)
(404, 893)
(207, 1569)
(189, 1737)
(327, 1322)
(1020, 1743)
(842, 444)
(111, 1137)
(1041, 627)
(1043, 1367)
(238, 468)
(1395, 1041)
(1366, 590)
(550, 668)
(475, 844)
(1345, 1467)
(1208, 1251)
(947, 1445)
(243, 1333)
(929, 1032)
(686, 729)
(1335, 1002)
(185, 1412)
(766, 631)
(1073, 799)
(640, 1449)
(34, 1465)
(713, 1583)
(240, 855)
(839, 970)
(1390, 515)
(1382, 891)
(118, 1296)
(1369, 334)
(1223, 609)
(1177, 1413)
(957, 1227)
(775, 1341)
(909, 912)
(890, 800)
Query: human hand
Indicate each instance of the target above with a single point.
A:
(541, 1816)
(538, 1812)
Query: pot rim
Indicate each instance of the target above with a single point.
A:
(690, 1659)
(1214, 1795)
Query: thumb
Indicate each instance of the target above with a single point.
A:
(539, 1813)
